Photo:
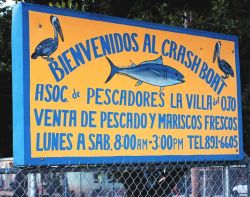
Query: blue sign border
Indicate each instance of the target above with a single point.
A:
(21, 92)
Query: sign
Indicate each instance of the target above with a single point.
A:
(89, 88)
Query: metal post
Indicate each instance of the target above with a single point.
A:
(113, 182)
(65, 184)
(42, 184)
(194, 181)
(226, 181)
(204, 183)
(80, 183)
(32, 185)
(186, 190)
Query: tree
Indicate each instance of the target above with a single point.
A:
(5, 80)
(5, 44)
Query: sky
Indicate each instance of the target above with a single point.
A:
(7, 3)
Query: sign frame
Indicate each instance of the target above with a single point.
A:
(21, 82)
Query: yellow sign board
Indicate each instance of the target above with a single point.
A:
(98, 89)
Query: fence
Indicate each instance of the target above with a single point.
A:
(198, 179)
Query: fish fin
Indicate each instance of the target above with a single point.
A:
(139, 82)
(161, 88)
(132, 64)
(113, 71)
(158, 73)
(156, 61)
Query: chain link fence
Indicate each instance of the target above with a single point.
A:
(196, 179)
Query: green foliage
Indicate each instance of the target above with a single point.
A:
(98, 6)
(5, 44)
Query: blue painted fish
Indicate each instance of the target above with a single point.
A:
(152, 72)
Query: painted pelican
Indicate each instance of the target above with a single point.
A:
(223, 65)
(49, 45)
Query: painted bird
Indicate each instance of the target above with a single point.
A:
(223, 65)
(152, 72)
(49, 45)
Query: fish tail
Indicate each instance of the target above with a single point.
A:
(113, 71)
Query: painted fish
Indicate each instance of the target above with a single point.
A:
(152, 72)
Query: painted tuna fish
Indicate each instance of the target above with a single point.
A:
(152, 72)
